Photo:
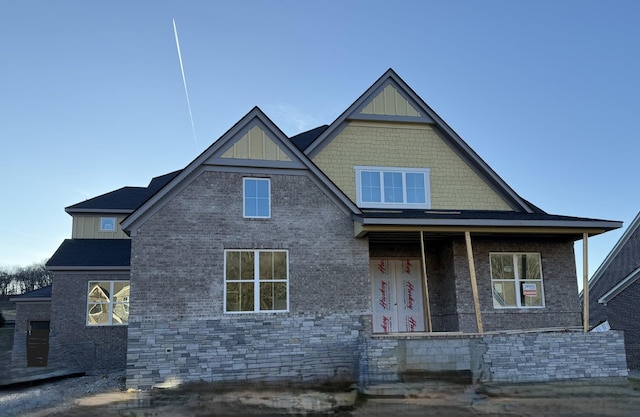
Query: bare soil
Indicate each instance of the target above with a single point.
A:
(104, 395)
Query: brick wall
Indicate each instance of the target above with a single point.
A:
(623, 312)
(177, 283)
(25, 313)
(94, 348)
(562, 308)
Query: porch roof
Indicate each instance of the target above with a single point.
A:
(479, 221)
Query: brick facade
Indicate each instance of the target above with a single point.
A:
(88, 348)
(562, 308)
(178, 282)
(27, 312)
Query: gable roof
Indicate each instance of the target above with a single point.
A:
(123, 200)
(617, 286)
(220, 156)
(421, 113)
(91, 254)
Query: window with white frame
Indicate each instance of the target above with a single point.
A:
(107, 224)
(392, 187)
(257, 197)
(516, 280)
(108, 303)
(256, 281)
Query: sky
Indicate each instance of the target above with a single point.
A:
(92, 96)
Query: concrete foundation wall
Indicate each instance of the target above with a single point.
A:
(523, 357)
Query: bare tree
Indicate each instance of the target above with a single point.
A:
(23, 279)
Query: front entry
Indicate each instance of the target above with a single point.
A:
(38, 343)
(397, 295)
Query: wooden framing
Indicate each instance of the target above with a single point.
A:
(474, 283)
(425, 284)
(585, 282)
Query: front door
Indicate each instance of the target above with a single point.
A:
(38, 343)
(397, 296)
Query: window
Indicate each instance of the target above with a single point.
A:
(392, 187)
(516, 279)
(257, 197)
(107, 224)
(256, 281)
(108, 303)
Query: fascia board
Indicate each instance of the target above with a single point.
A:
(620, 286)
(219, 146)
(635, 223)
(98, 211)
(89, 268)
(574, 225)
(31, 300)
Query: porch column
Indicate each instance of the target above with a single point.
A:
(585, 281)
(474, 284)
(426, 286)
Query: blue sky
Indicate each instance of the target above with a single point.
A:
(92, 98)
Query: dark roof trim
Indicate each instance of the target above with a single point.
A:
(635, 223)
(187, 175)
(578, 224)
(458, 144)
(620, 286)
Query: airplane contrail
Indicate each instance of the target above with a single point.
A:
(184, 81)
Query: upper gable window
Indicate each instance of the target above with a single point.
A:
(257, 197)
(388, 187)
(107, 224)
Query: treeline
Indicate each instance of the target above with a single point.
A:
(19, 280)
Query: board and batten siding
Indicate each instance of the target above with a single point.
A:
(453, 184)
(88, 227)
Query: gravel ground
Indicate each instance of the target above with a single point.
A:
(56, 394)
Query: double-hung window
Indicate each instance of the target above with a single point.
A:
(516, 280)
(256, 281)
(256, 197)
(108, 303)
(386, 187)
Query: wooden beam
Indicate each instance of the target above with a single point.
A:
(474, 284)
(585, 281)
(426, 285)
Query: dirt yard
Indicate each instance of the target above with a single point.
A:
(104, 396)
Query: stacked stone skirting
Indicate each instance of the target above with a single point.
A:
(305, 348)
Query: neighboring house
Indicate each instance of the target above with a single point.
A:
(614, 292)
(376, 245)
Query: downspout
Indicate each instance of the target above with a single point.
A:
(585, 281)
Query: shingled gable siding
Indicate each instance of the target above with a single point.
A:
(178, 331)
(562, 307)
(71, 342)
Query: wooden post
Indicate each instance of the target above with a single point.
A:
(426, 285)
(585, 281)
(474, 284)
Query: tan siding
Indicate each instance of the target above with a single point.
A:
(390, 103)
(256, 144)
(88, 227)
(453, 184)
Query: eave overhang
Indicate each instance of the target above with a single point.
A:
(92, 268)
(573, 229)
(98, 211)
